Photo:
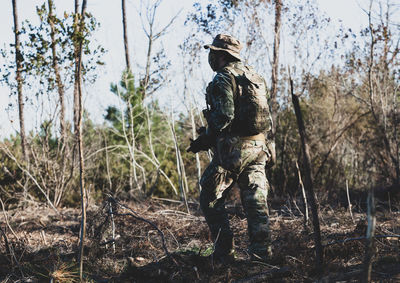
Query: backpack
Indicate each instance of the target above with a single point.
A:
(252, 110)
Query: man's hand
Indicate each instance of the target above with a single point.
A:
(201, 131)
(201, 143)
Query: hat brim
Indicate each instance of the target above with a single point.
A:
(234, 54)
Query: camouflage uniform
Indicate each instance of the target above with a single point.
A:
(238, 160)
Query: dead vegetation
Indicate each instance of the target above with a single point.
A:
(39, 245)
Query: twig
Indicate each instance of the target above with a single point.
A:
(262, 277)
(348, 200)
(214, 245)
(360, 238)
(10, 251)
(110, 211)
(303, 195)
(6, 219)
(134, 215)
(112, 241)
(389, 202)
(173, 200)
(369, 245)
(9, 154)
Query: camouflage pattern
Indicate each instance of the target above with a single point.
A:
(235, 160)
(252, 114)
(227, 43)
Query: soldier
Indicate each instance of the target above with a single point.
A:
(237, 115)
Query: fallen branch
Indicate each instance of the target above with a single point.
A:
(262, 277)
(136, 216)
(173, 200)
(6, 219)
(360, 238)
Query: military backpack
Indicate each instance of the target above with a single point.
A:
(252, 112)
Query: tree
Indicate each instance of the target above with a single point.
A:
(60, 85)
(125, 32)
(275, 63)
(152, 80)
(128, 124)
(47, 69)
(18, 63)
(308, 180)
(79, 28)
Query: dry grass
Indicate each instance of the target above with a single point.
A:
(65, 273)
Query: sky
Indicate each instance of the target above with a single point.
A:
(97, 97)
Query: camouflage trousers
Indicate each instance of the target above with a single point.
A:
(242, 162)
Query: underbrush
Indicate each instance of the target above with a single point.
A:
(159, 241)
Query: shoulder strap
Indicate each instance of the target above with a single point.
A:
(234, 73)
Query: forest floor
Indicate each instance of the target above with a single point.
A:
(39, 245)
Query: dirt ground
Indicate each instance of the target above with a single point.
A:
(40, 245)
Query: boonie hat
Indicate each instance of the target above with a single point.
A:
(224, 42)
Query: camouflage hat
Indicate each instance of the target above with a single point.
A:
(226, 43)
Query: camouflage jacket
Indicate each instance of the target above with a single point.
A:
(220, 98)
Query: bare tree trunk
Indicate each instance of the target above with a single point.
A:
(148, 62)
(275, 64)
(369, 246)
(18, 62)
(78, 87)
(348, 201)
(303, 194)
(61, 93)
(198, 164)
(152, 36)
(128, 65)
(60, 85)
(133, 179)
(308, 180)
(180, 166)
(191, 110)
(76, 75)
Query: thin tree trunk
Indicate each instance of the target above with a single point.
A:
(148, 63)
(133, 179)
(61, 93)
(308, 180)
(128, 65)
(180, 167)
(275, 63)
(78, 86)
(18, 63)
(60, 85)
(303, 194)
(198, 164)
(369, 246)
(76, 75)
(348, 201)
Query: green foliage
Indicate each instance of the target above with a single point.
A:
(36, 51)
(131, 121)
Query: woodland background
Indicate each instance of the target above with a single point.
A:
(347, 82)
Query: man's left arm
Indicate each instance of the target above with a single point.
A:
(221, 115)
(222, 99)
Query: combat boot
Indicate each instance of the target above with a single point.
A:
(223, 259)
(224, 252)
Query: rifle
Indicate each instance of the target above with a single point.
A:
(201, 143)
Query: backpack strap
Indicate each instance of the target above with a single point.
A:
(234, 74)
